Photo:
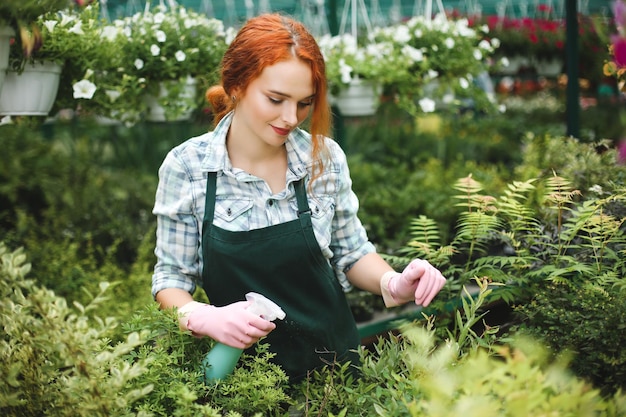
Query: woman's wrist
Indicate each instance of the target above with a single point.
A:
(185, 311)
(388, 297)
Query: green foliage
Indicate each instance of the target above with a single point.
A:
(77, 219)
(175, 373)
(58, 360)
(585, 321)
(417, 374)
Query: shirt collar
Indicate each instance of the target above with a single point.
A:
(298, 147)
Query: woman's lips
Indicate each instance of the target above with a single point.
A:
(282, 132)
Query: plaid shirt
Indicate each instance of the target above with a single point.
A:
(245, 202)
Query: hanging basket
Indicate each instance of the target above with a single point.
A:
(549, 67)
(516, 64)
(361, 98)
(5, 36)
(170, 107)
(32, 92)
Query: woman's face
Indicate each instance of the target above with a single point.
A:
(277, 101)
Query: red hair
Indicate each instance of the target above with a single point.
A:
(264, 41)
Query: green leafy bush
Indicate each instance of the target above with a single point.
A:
(57, 359)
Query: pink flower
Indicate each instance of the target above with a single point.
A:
(619, 50)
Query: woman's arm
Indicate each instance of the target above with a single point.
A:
(367, 272)
(419, 282)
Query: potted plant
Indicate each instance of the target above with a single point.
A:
(443, 60)
(174, 52)
(66, 44)
(354, 73)
(528, 43)
(19, 16)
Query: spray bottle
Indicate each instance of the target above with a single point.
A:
(222, 359)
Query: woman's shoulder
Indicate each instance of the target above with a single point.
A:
(189, 154)
(333, 152)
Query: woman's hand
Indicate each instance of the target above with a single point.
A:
(231, 325)
(420, 282)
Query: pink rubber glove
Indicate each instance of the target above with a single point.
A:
(420, 281)
(231, 325)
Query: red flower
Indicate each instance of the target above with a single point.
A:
(544, 8)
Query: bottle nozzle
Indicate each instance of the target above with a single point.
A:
(264, 307)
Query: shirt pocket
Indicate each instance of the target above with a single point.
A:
(322, 213)
(233, 213)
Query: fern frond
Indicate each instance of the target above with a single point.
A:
(471, 199)
(425, 232)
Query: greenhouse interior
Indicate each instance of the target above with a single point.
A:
(435, 204)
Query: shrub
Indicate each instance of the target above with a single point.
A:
(57, 360)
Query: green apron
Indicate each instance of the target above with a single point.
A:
(284, 263)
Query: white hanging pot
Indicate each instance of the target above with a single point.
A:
(548, 67)
(167, 107)
(31, 92)
(516, 63)
(5, 37)
(360, 98)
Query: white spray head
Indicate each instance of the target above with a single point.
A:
(264, 307)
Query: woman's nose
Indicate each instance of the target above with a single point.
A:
(290, 113)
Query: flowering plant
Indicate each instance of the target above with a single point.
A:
(408, 58)
(67, 37)
(617, 65)
(163, 45)
(166, 45)
(540, 38)
(22, 14)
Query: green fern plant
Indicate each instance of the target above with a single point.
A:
(513, 241)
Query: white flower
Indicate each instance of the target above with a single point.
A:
(113, 95)
(109, 33)
(159, 18)
(84, 89)
(160, 37)
(484, 44)
(77, 28)
(6, 120)
(596, 189)
(463, 83)
(346, 71)
(416, 55)
(495, 42)
(449, 42)
(427, 105)
(66, 19)
(50, 24)
(155, 50)
(138, 63)
(180, 56)
(477, 55)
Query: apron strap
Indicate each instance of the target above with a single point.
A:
(209, 210)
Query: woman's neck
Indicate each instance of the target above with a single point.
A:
(258, 158)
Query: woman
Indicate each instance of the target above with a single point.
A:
(259, 204)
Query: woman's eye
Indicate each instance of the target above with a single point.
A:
(305, 104)
(274, 100)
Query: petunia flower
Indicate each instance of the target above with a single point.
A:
(84, 89)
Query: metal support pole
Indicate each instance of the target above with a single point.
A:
(572, 60)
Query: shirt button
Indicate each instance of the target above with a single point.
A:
(271, 202)
(229, 212)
